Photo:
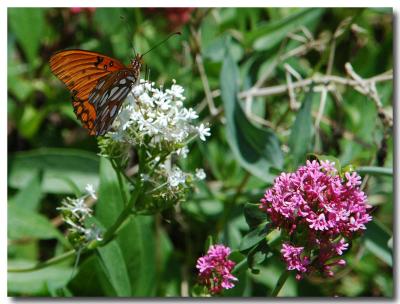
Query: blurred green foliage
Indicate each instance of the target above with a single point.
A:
(51, 155)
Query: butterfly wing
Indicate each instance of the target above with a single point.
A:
(108, 95)
(80, 71)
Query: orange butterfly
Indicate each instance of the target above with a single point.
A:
(98, 85)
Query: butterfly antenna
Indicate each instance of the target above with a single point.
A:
(130, 32)
(158, 44)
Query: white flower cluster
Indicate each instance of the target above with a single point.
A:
(155, 121)
(158, 114)
(75, 212)
(177, 177)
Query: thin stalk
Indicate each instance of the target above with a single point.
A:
(162, 158)
(239, 266)
(375, 170)
(119, 177)
(281, 281)
(45, 264)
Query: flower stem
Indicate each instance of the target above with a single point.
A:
(117, 170)
(239, 266)
(281, 281)
(45, 264)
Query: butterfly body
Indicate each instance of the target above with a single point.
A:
(98, 84)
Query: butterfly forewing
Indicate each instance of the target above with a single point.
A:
(81, 71)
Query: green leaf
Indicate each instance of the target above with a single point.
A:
(116, 29)
(24, 223)
(87, 282)
(35, 283)
(240, 261)
(113, 264)
(377, 237)
(257, 149)
(209, 242)
(56, 165)
(254, 215)
(257, 255)
(135, 239)
(110, 202)
(271, 34)
(28, 25)
(108, 208)
(383, 171)
(242, 285)
(302, 131)
(215, 50)
(30, 121)
(29, 197)
(269, 276)
(254, 237)
(199, 291)
(240, 273)
(204, 209)
(22, 89)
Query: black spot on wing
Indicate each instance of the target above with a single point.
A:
(99, 60)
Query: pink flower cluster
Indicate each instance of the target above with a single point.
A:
(215, 269)
(176, 16)
(77, 10)
(320, 212)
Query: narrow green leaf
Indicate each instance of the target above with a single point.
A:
(137, 241)
(254, 215)
(25, 223)
(29, 197)
(302, 131)
(240, 273)
(110, 202)
(384, 171)
(35, 283)
(31, 120)
(254, 237)
(390, 243)
(28, 25)
(209, 243)
(257, 255)
(256, 149)
(57, 165)
(87, 281)
(113, 264)
(377, 237)
(271, 34)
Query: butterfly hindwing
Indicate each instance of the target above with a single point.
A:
(85, 112)
(107, 97)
